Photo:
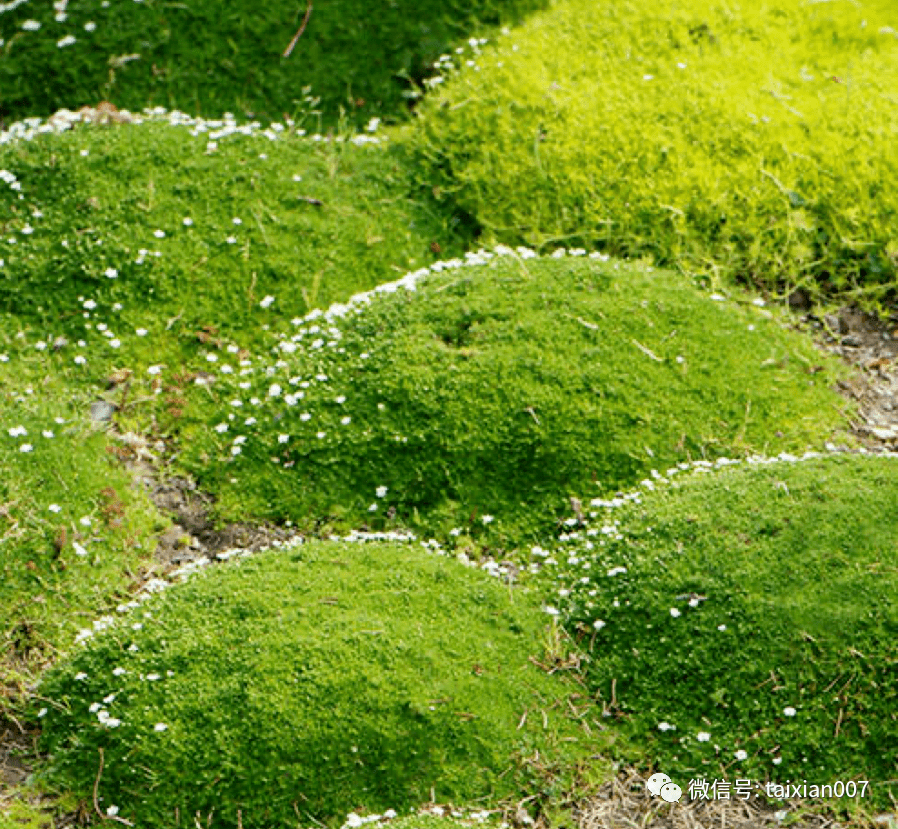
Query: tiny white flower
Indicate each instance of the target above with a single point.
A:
(283, 438)
(119, 672)
(552, 611)
(598, 624)
(159, 234)
(487, 519)
(90, 26)
(153, 677)
(789, 711)
(188, 221)
(80, 360)
(346, 420)
(112, 811)
(115, 342)
(305, 416)
(154, 369)
(321, 435)
(160, 726)
(79, 550)
(666, 726)
(721, 627)
(80, 676)
(231, 240)
(111, 273)
(141, 332)
(211, 358)
(267, 301)
(109, 698)
(31, 25)
(741, 755)
(372, 508)
(237, 221)
(95, 706)
(221, 428)
(674, 612)
(85, 521)
(381, 492)
(26, 447)
(274, 390)
(777, 760)
(703, 736)
(42, 712)
(112, 722)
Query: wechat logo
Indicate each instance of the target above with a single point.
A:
(660, 786)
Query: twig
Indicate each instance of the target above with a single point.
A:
(302, 28)
(648, 353)
(96, 801)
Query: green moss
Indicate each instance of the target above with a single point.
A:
(757, 605)
(501, 390)
(214, 57)
(669, 132)
(312, 681)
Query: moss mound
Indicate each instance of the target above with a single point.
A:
(669, 131)
(214, 57)
(311, 681)
(746, 620)
(500, 390)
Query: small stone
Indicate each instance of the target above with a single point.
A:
(852, 341)
(101, 411)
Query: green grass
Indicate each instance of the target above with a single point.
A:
(752, 609)
(307, 682)
(669, 132)
(72, 530)
(496, 391)
(214, 57)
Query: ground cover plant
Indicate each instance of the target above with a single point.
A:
(203, 221)
(742, 623)
(72, 531)
(485, 398)
(304, 683)
(211, 57)
(668, 131)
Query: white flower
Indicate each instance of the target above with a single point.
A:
(666, 726)
(111, 273)
(305, 416)
(154, 369)
(741, 755)
(90, 26)
(703, 736)
(372, 508)
(598, 624)
(674, 612)
(85, 521)
(777, 760)
(119, 672)
(231, 240)
(721, 627)
(237, 221)
(789, 711)
(283, 438)
(79, 550)
(18, 431)
(266, 302)
(274, 390)
(112, 722)
(159, 234)
(381, 492)
(552, 611)
(26, 447)
(95, 706)
(346, 420)
(160, 726)
(80, 676)
(321, 435)
(152, 677)
(221, 427)
(31, 25)
(487, 519)
(141, 332)
(188, 221)
(112, 811)
(42, 712)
